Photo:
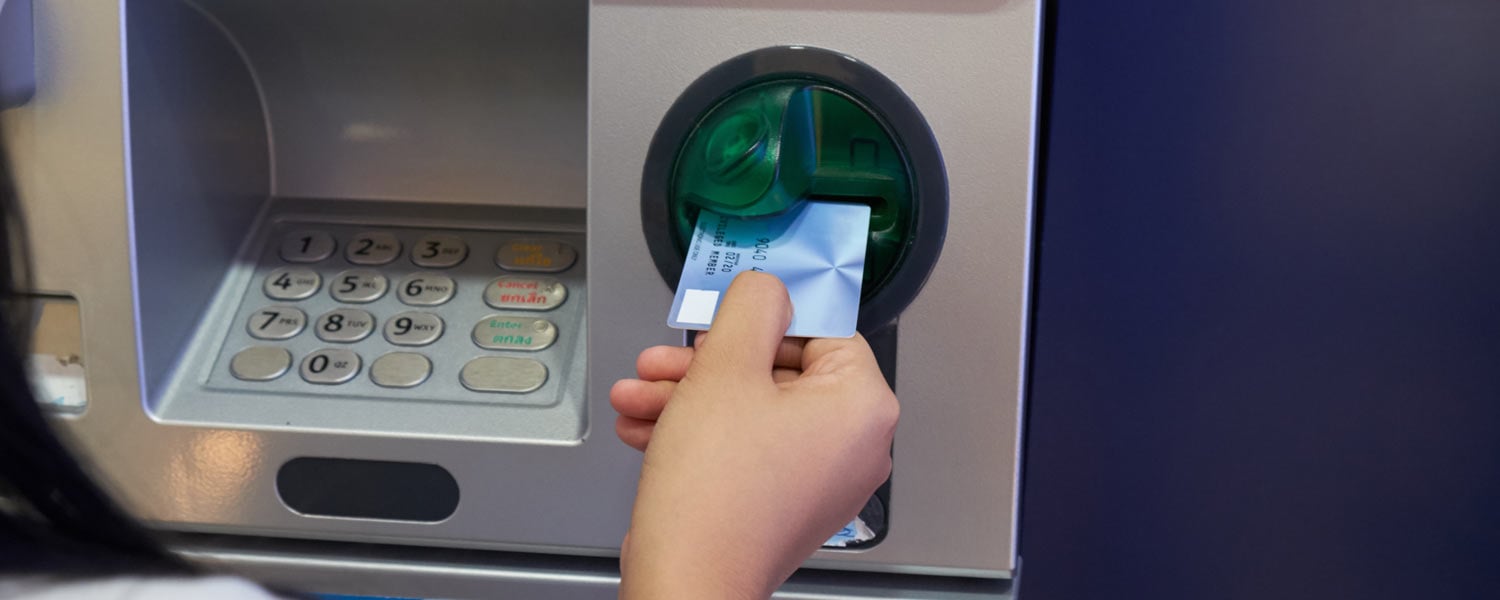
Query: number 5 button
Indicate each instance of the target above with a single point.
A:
(357, 286)
(425, 289)
(413, 329)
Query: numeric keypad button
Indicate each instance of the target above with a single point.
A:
(439, 251)
(400, 370)
(330, 366)
(425, 289)
(292, 283)
(260, 363)
(413, 329)
(307, 246)
(373, 248)
(276, 323)
(503, 375)
(541, 256)
(358, 286)
(345, 325)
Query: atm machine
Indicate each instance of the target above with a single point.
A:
(348, 281)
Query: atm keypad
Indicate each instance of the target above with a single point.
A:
(367, 339)
(290, 283)
(358, 286)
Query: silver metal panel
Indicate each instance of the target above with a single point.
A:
(463, 575)
(970, 66)
(472, 101)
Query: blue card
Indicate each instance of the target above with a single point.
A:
(816, 248)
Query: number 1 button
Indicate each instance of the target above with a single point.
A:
(307, 246)
(439, 251)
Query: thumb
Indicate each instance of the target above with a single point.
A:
(748, 327)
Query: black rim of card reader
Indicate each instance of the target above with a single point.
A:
(878, 94)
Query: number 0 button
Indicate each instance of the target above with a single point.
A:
(425, 289)
(307, 246)
(375, 248)
(439, 251)
(292, 283)
(413, 329)
(330, 366)
(357, 286)
(345, 325)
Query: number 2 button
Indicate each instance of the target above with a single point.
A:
(374, 248)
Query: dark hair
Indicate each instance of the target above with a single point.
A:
(53, 519)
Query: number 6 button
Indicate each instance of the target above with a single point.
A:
(425, 289)
(413, 329)
(330, 366)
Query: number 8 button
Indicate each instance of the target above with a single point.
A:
(345, 325)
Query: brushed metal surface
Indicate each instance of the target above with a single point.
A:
(970, 67)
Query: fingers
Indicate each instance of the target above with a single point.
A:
(748, 328)
(641, 399)
(828, 355)
(783, 375)
(788, 354)
(636, 433)
(659, 363)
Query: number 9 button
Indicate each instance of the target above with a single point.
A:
(413, 329)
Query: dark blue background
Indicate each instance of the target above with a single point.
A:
(1266, 360)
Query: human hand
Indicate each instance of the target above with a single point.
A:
(758, 449)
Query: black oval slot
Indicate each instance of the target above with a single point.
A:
(367, 489)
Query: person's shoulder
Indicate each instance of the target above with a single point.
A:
(134, 588)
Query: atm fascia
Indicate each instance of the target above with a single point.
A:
(200, 126)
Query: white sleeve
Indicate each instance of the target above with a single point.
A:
(141, 588)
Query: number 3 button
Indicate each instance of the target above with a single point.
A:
(345, 325)
(330, 366)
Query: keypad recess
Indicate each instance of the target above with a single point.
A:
(442, 315)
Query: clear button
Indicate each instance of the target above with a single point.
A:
(540, 256)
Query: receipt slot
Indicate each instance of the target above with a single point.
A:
(353, 279)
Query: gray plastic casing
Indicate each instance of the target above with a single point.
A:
(494, 107)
